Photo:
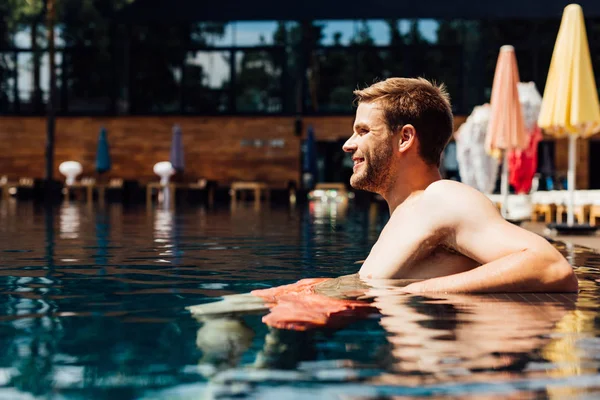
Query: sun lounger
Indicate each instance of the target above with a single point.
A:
(11, 188)
(544, 204)
(258, 188)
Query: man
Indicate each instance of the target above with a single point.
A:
(443, 232)
(442, 236)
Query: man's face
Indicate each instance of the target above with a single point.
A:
(371, 146)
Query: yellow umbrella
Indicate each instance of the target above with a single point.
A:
(506, 128)
(570, 104)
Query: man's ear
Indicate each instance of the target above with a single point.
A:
(406, 137)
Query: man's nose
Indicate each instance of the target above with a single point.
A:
(350, 145)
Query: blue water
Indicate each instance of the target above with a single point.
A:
(94, 307)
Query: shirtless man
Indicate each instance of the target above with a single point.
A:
(446, 233)
(442, 236)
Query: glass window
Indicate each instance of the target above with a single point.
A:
(331, 80)
(442, 64)
(254, 33)
(155, 84)
(258, 81)
(416, 31)
(22, 37)
(379, 31)
(86, 92)
(428, 29)
(18, 91)
(212, 34)
(59, 37)
(374, 65)
(287, 32)
(8, 87)
(336, 33)
(25, 81)
(336, 73)
(206, 82)
(344, 33)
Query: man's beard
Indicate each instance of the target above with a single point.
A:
(375, 172)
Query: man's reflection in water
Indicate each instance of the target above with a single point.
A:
(431, 339)
(224, 340)
(284, 349)
(449, 338)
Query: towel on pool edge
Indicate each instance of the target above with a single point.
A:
(298, 307)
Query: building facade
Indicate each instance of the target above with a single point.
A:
(245, 82)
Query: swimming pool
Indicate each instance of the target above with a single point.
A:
(95, 307)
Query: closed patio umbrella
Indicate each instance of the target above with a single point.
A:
(176, 156)
(309, 165)
(506, 128)
(570, 103)
(103, 163)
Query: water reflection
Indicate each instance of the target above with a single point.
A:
(429, 341)
(102, 237)
(163, 226)
(564, 352)
(69, 220)
(449, 338)
(30, 308)
(222, 342)
(328, 212)
(91, 309)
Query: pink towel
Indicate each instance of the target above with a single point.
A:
(298, 307)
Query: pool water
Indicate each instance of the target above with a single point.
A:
(94, 306)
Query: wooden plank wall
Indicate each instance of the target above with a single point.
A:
(216, 148)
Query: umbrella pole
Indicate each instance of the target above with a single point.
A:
(571, 178)
(50, 122)
(504, 185)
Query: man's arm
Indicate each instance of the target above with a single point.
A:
(410, 235)
(513, 259)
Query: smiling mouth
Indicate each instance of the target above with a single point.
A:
(358, 162)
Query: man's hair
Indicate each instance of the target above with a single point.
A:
(418, 102)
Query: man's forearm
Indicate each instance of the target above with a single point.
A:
(525, 271)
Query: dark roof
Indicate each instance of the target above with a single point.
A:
(257, 10)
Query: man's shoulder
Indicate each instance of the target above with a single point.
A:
(446, 189)
(447, 195)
